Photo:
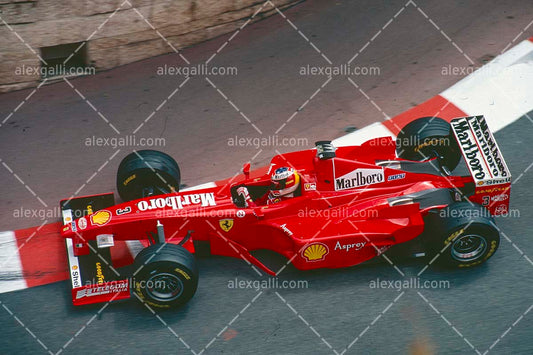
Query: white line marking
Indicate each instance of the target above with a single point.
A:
(500, 90)
(11, 274)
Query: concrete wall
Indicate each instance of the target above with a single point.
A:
(125, 37)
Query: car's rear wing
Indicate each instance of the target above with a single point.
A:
(92, 276)
(485, 162)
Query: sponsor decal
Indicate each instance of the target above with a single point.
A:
(396, 177)
(121, 286)
(491, 190)
(128, 180)
(99, 274)
(240, 213)
(315, 252)
(125, 210)
(105, 240)
(348, 247)
(66, 228)
(75, 275)
(435, 142)
(82, 223)
(226, 224)
(68, 219)
(471, 152)
(186, 275)
(309, 186)
(500, 209)
(453, 236)
(494, 181)
(73, 226)
(480, 150)
(272, 201)
(499, 198)
(100, 218)
(359, 177)
(178, 202)
(286, 230)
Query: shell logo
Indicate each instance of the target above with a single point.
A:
(100, 217)
(315, 252)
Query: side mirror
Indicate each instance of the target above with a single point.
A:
(246, 170)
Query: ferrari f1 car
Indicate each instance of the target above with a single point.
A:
(440, 182)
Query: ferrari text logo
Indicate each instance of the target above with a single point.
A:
(226, 224)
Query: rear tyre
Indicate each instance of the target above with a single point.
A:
(426, 138)
(146, 173)
(463, 234)
(165, 276)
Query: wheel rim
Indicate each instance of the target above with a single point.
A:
(469, 247)
(164, 287)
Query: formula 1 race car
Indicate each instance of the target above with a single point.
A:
(441, 182)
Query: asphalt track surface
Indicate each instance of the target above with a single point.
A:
(43, 142)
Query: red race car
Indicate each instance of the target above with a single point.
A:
(325, 207)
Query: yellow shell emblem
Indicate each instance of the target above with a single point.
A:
(315, 252)
(100, 217)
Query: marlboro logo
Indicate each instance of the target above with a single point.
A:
(480, 150)
(178, 202)
(359, 177)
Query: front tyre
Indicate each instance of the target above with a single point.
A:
(165, 276)
(464, 234)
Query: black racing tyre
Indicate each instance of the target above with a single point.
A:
(462, 234)
(165, 277)
(145, 173)
(429, 137)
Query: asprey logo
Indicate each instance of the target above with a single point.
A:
(178, 202)
(348, 247)
(359, 177)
